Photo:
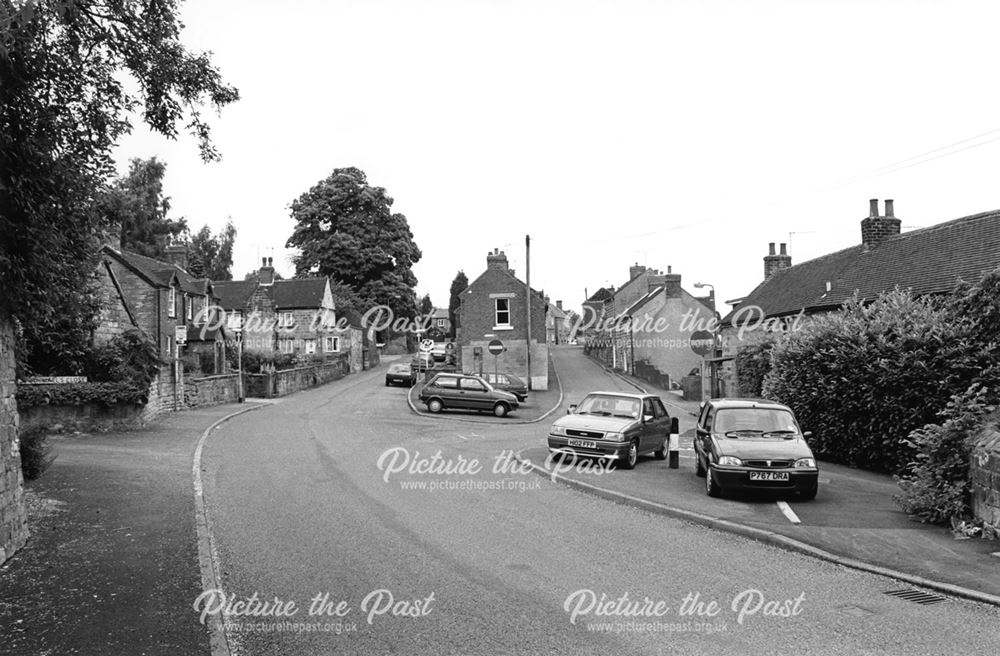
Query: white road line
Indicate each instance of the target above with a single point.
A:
(788, 512)
(462, 436)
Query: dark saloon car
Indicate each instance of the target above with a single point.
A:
(400, 374)
(454, 390)
(614, 425)
(508, 383)
(749, 444)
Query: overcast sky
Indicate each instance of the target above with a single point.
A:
(683, 134)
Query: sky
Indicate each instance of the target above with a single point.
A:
(670, 134)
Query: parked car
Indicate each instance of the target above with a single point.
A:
(454, 390)
(400, 374)
(614, 425)
(750, 444)
(508, 383)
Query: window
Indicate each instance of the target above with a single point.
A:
(331, 344)
(446, 381)
(502, 311)
(286, 320)
(189, 302)
(473, 385)
(658, 409)
(441, 323)
(310, 346)
(286, 345)
(235, 320)
(172, 302)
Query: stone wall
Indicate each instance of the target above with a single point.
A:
(210, 390)
(985, 475)
(288, 381)
(13, 519)
(84, 418)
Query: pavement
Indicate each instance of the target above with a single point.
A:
(853, 521)
(113, 555)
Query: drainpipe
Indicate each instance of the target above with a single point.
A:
(631, 339)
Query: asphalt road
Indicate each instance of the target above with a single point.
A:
(337, 492)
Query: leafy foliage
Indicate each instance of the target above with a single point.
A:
(864, 378)
(136, 206)
(67, 67)
(936, 487)
(211, 256)
(36, 453)
(345, 229)
(107, 393)
(129, 357)
(458, 285)
(426, 306)
(753, 362)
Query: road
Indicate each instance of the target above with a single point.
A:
(406, 523)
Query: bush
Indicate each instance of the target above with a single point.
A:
(753, 362)
(36, 454)
(937, 488)
(128, 357)
(864, 378)
(109, 394)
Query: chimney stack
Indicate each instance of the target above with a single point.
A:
(559, 304)
(497, 260)
(875, 229)
(774, 263)
(177, 254)
(266, 274)
(635, 271)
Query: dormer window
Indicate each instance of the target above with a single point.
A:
(172, 303)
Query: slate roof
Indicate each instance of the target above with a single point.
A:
(159, 273)
(234, 294)
(600, 295)
(299, 293)
(927, 261)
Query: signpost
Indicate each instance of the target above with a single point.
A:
(496, 347)
(238, 329)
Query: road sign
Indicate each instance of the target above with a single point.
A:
(180, 335)
(495, 347)
(450, 346)
(702, 342)
(426, 345)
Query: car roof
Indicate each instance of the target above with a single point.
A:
(747, 403)
(630, 395)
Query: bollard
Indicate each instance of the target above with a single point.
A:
(675, 443)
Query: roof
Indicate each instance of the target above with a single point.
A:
(746, 403)
(234, 294)
(299, 293)
(441, 313)
(927, 261)
(600, 295)
(631, 395)
(159, 273)
(556, 312)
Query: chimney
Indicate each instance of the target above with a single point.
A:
(774, 263)
(266, 274)
(875, 229)
(559, 304)
(635, 271)
(497, 260)
(671, 283)
(177, 254)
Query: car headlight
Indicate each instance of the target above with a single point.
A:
(730, 461)
(615, 437)
(558, 430)
(804, 463)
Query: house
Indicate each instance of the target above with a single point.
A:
(441, 321)
(930, 260)
(558, 324)
(296, 316)
(168, 305)
(652, 326)
(495, 307)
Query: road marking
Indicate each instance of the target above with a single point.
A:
(461, 436)
(788, 512)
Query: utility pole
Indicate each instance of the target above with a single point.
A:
(527, 295)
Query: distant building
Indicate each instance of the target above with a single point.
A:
(495, 306)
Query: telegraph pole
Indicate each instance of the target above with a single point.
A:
(527, 295)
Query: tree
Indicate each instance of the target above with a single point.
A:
(67, 69)
(426, 306)
(345, 229)
(211, 256)
(458, 285)
(135, 204)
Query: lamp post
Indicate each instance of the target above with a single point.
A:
(716, 339)
(238, 329)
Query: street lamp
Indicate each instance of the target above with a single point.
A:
(716, 340)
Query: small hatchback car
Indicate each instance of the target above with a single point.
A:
(508, 383)
(749, 444)
(615, 426)
(450, 390)
(400, 374)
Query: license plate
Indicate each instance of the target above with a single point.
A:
(583, 444)
(768, 476)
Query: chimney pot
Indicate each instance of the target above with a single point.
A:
(873, 207)
(670, 268)
(263, 261)
(889, 208)
(784, 249)
(770, 248)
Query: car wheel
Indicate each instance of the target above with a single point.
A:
(631, 456)
(434, 405)
(387, 383)
(500, 409)
(699, 469)
(661, 453)
(712, 488)
(809, 493)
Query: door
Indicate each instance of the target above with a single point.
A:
(661, 424)
(474, 395)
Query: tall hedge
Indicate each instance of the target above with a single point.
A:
(862, 379)
(753, 362)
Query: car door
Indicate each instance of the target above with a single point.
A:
(474, 394)
(647, 432)
(703, 432)
(661, 424)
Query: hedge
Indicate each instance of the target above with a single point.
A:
(109, 394)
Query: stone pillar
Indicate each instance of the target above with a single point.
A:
(13, 519)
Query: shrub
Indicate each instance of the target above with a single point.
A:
(937, 488)
(864, 378)
(753, 362)
(128, 357)
(80, 393)
(36, 454)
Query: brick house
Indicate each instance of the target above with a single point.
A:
(161, 300)
(930, 260)
(296, 316)
(494, 306)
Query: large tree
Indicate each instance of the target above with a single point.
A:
(211, 256)
(71, 74)
(136, 208)
(458, 285)
(345, 229)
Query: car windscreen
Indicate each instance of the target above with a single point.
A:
(399, 369)
(608, 406)
(769, 422)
